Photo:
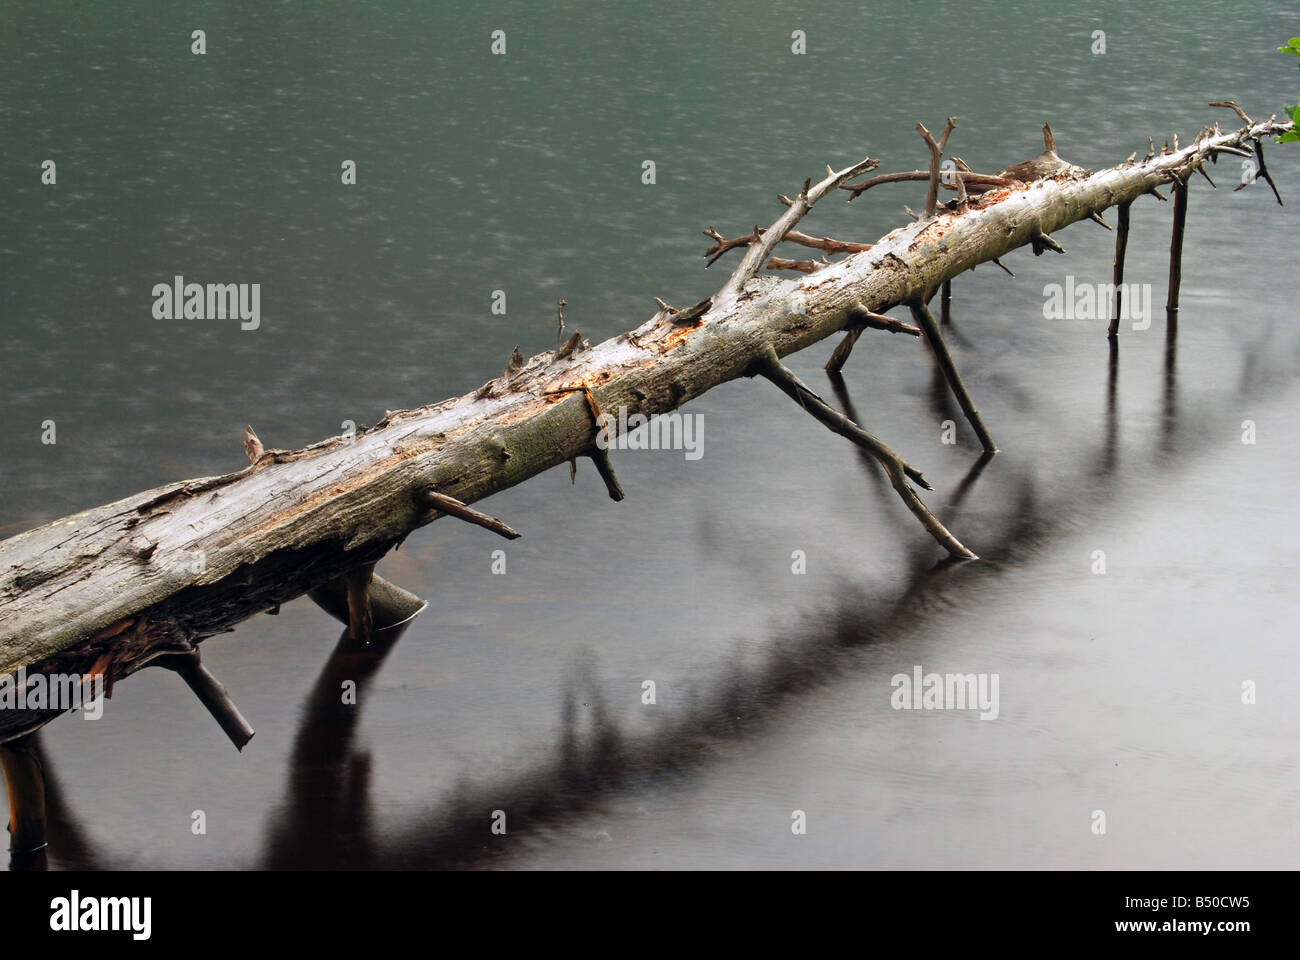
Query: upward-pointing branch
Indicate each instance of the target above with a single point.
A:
(936, 152)
(757, 254)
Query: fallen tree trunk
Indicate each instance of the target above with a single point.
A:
(111, 589)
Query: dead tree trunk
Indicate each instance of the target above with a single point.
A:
(111, 589)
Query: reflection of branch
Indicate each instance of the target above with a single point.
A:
(841, 390)
(878, 477)
(70, 848)
(328, 791)
(1110, 450)
(968, 482)
(942, 356)
(1169, 405)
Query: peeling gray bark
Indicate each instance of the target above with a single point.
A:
(157, 572)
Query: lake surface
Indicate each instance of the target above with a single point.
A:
(1119, 692)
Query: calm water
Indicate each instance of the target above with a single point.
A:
(1118, 692)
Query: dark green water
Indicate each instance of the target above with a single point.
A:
(522, 692)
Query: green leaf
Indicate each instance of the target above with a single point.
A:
(1292, 135)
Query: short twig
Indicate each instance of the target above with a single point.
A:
(453, 507)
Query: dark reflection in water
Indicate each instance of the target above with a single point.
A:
(1169, 398)
(68, 842)
(968, 482)
(326, 820)
(1110, 450)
